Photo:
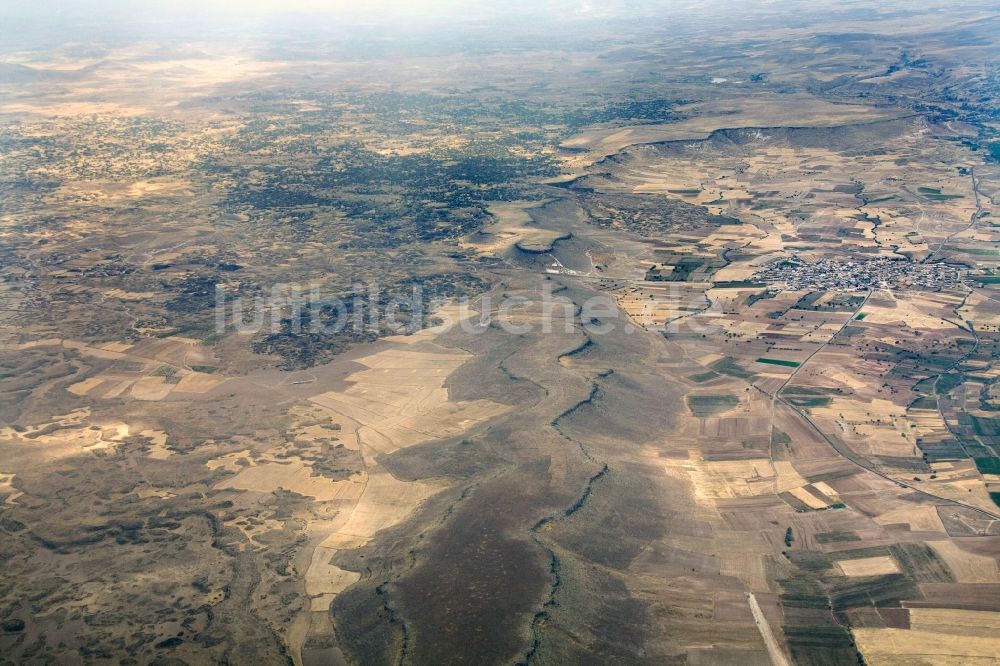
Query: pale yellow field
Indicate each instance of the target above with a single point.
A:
(967, 567)
(74, 436)
(919, 518)
(86, 386)
(384, 502)
(738, 478)
(939, 636)
(231, 462)
(325, 580)
(825, 488)
(151, 388)
(296, 477)
(956, 621)
(869, 566)
(808, 498)
(198, 382)
(158, 444)
(402, 400)
(748, 567)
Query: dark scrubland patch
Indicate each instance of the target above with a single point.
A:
(624, 411)
(12, 626)
(193, 293)
(393, 199)
(488, 376)
(477, 581)
(704, 406)
(23, 370)
(480, 604)
(337, 463)
(595, 603)
(318, 336)
(462, 457)
(368, 626)
(623, 513)
(138, 535)
(642, 215)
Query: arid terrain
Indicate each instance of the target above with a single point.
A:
(692, 355)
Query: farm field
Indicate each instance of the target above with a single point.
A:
(634, 333)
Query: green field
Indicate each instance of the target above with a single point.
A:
(808, 402)
(710, 405)
(728, 366)
(778, 361)
(990, 465)
(985, 426)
